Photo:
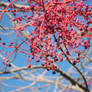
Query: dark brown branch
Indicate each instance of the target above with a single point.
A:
(17, 6)
(87, 90)
(39, 66)
(3, 28)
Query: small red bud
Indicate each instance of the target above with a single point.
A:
(29, 65)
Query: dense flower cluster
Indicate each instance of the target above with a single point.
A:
(57, 25)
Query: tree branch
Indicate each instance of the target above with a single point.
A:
(39, 66)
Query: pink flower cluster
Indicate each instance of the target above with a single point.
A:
(57, 24)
